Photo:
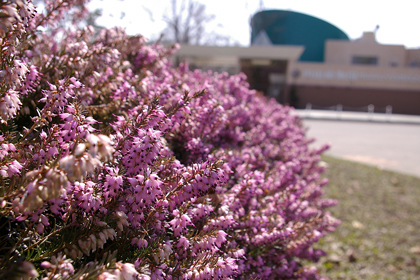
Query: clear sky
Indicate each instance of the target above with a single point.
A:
(399, 21)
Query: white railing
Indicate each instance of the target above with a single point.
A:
(340, 108)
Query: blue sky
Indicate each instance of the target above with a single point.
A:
(399, 21)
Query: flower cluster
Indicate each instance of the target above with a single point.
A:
(116, 165)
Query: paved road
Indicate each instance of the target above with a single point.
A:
(386, 145)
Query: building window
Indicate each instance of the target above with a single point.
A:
(414, 63)
(365, 60)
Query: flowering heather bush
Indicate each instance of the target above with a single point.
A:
(115, 165)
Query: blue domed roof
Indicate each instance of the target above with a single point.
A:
(292, 28)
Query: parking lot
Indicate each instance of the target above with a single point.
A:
(392, 146)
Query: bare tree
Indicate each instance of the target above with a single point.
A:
(187, 23)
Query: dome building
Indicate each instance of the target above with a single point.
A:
(307, 62)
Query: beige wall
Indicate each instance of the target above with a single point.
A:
(351, 76)
(253, 52)
(342, 53)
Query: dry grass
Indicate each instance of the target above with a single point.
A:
(379, 237)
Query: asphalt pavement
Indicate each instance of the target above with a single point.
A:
(389, 142)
